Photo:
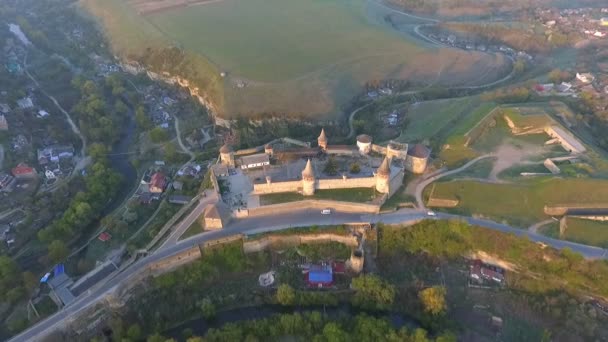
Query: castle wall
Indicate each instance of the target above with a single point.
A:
(378, 149)
(396, 182)
(322, 184)
(277, 187)
(349, 207)
(348, 183)
(295, 240)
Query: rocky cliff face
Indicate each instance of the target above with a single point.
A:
(136, 68)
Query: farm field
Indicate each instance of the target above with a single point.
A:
(286, 56)
(428, 118)
(519, 203)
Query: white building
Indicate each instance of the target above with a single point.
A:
(585, 77)
(254, 160)
(364, 143)
(568, 141)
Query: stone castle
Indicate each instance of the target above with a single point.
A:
(386, 179)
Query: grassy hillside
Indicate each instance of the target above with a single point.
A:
(521, 203)
(307, 58)
(134, 38)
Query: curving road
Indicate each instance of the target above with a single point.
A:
(422, 185)
(275, 221)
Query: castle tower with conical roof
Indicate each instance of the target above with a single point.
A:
(383, 176)
(308, 180)
(322, 140)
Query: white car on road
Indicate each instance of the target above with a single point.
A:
(326, 211)
(430, 213)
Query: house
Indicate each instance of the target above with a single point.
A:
(177, 185)
(585, 77)
(563, 87)
(25, 103)
(6, 182)
(254, 160)
(23, 171)
(3, 123)
(42, 114)
(50, 175)
(158, 183)
(320, 276)
(55, 153)
(4, 108)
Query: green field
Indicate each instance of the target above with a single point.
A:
(277, 40)
(306, 57)
(426, 119)
(587, 231)
(360, 195)
(521, 203)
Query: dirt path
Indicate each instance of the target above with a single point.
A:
(508, 156)
(422, 185)
(180, 142)
(534, 228)
(75, 128)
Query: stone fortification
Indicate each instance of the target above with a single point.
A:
(349, 207)
(296, 240)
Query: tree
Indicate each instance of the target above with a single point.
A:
(355, 168)
(57, 251)
(134, 332)
(143, 122)
(332, 332)
(433, 300)
(519, 66)
(207, 308)
(331, 167)
(156, 338)
(372, 292)
(286, 295)
(158, 135)
(30, 282)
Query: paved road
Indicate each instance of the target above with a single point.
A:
(298, 218)
(189, 220)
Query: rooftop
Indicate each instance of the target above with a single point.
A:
(364, 138)
(255, 159)
(226, 149)
(419, 151)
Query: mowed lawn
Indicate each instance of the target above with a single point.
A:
(587, 231)
(359, 195)
(278, 40)
(520, 203)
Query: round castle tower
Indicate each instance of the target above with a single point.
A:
(383, 175)
(322, 140)
(417, 159)
(308, 180)
(227, 155)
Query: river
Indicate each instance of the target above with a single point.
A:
(200, 326)
(119, 160)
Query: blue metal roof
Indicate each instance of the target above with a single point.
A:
(320, 276)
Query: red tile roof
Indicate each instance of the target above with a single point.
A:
(158, 180)
(23, 170)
